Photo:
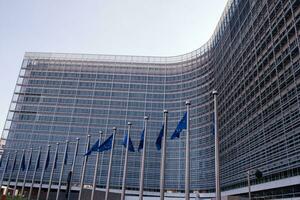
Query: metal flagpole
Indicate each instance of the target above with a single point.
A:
(34, 172)
(249, 184)
(125, 163)
(217, 157)
(187, 152)
(96, 168)
(43, 172)
(4, 169)
(163, 157)
(73, 166)
(12, 169)
(26, 172)
(84, 166)
(110, 163)
(143, 161)
(62, 170)
(52, 171)
(17, 178)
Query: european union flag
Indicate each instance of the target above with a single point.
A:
(181, 125)
(14, 164)
(106, 145)
(47, 159)
(23, 166)
(66, 157)
(29, 162)
(141, 145)
(6, 165)
(124, 143)
(55, 161)
(38, 162)
(95, 147)
(68, 184)
(159, 138)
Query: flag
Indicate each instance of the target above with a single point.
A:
(14, 164)
(6, 165)
(23, 166)
(181, 125)
(55, 161)
(29, 162)
(66, 157)
(38, 162)
(47, 159)
(68, 184)
(106, 145)
(131, 147)
(88, 147)
(141, 145)
(159, 138)
(95, 147)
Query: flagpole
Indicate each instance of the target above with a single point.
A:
(4, 170)
(43, 172)
(12, 169)
(163, 157)
(73, 166)
(217, 156)
(143, 160)
(96, 168)
(125, 163)
(52, 171)
(34, 172)
(17, 178)
(62, 170)
(110, 163)
(249, 184)
(26, 172)
(84, 166)
(187, 152)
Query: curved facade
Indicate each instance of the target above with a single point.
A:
(252, 60)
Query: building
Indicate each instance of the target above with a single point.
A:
(252, 60)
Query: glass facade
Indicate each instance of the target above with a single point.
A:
(252, 60)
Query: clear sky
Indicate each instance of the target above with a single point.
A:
(123, 27)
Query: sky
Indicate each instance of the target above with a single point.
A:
(118, 27)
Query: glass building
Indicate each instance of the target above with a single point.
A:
(252, 60)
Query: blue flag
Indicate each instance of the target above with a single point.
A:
(124, 143)
(14, 164)
(7, 161)
(181, 125)
(38, 162)
(29, 162)
(94, 148)
(159, 138)
(106, 145)
(47, 159)
(141, 145)
(66, 157)
(55, 161)
(88, 147)
(23, 166)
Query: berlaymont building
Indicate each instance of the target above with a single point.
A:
(252, 60)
